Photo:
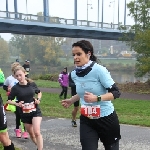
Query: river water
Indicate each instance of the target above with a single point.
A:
(119, 77)
(123, 77)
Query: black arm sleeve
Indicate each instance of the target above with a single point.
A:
(1, 100)
(114, 90)
(12, 94)
(71, 82)
(35, 87)
(5, 87)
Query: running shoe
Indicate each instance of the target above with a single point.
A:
(74, 124)
(18, 133)
(25, 135)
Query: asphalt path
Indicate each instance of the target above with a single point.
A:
(58, 134)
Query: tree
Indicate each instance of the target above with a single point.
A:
(20, 43)
(51, 47)
(139, 10)
(4, 52)
(42, 48)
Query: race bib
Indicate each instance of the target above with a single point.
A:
(28, 107)
(27, 69)
(92, 112)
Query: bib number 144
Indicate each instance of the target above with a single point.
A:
(90, 111)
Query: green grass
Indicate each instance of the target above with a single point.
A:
(47, 83)
(51, 106)
(134, 112)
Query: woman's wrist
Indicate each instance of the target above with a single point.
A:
(71, 99)
(74, 98)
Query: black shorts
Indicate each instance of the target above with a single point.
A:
(27, 118)
(73, 92)
(76, 104)
(107, 129)
(3, 122)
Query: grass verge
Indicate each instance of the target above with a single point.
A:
(47, 84)
(133, 112)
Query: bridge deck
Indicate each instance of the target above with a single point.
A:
(28, 24)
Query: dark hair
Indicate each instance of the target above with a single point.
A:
(65, 69)
(86, 47)
(17, 60)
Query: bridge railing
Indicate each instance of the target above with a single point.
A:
(57, 20)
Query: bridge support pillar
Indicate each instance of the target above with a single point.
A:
(15, 9)
(46, 10)
(102, 13)
(7, 8)
(75, 12)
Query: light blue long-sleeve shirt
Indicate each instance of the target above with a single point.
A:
(96, 82)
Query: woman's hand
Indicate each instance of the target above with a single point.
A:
(90, 97)
(16, 104)
(9, 89)
(66, 103)
(36, 101)
(20, 104)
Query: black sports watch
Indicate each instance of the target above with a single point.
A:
(38, 99)
(98, 98)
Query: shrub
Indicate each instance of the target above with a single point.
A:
(51, 77)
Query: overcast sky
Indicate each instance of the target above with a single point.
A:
(65, 9)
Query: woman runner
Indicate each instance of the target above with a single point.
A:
(95, 88)
(31, 115)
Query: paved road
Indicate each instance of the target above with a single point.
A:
(59, 135)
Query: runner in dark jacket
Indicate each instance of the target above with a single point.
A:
(26, 66)
(4, 137)
(76, 104)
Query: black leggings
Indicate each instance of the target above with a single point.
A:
(17, 113)
(107, 129)
(94, 145)
(3, 122)
(18, 117)
(114, 146)
(10, 147)
(64, 91)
